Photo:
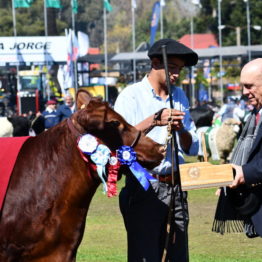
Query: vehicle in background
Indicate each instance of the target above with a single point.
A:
(30, 92)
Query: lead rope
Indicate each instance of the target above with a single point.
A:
(174, 139)
(169, 130)
(170, 207)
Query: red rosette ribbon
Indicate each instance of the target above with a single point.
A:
(113, 168)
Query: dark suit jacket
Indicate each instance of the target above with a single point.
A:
(253, 175)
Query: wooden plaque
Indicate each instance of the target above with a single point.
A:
(205, 175)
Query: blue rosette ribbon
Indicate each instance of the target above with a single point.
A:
(101, 157)
(127, 156)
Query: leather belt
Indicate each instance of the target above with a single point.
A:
(164, 178)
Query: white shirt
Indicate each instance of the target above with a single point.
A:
(139, 101)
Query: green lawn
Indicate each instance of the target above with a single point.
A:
(105, 238)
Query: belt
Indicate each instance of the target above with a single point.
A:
(163, 178)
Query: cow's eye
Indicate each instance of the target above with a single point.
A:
(115, 123)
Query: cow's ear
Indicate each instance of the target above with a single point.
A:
(93, 116)
(83, 98)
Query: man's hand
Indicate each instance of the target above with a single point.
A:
(173, 115)
(239, 178)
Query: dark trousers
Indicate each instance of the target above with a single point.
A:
(145, 216)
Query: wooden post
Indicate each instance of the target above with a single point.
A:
(204, 148)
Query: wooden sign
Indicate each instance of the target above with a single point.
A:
(205, 175)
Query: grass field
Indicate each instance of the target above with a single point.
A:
(105, 236)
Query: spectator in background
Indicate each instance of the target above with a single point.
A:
(50, 114)
(225, 112)
(67, 109)
(239, 111)
(227, 109)
(239, 114)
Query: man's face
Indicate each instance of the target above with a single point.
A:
(175, 65)
(52, 106)
(251, 81)
(68, 101)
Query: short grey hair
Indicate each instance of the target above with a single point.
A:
(68, 96)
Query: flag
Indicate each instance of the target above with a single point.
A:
(69, 76)
(73, 46)
(62, 78)
(107, 5)
(23, 3)
(72, 55)
(154, 22)
(53, 4)
(134, 4)
(74, 5)
(162, 2)
(83, 41)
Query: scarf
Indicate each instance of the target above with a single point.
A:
(236, 206)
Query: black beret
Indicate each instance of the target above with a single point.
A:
(173, 48)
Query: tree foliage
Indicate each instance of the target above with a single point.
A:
(176, 20)
(233, 14)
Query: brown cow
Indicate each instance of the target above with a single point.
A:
(51, 186)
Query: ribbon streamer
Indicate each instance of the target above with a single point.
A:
(113, 169)
(127, 156)
(141, 175)
(100, 157)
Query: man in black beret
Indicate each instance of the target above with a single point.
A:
(173, 48)
(146, 105)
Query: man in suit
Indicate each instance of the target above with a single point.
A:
(249, 168)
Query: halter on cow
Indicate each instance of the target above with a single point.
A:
(51, 187)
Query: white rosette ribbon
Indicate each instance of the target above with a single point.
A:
(101, 157)
(87, 144)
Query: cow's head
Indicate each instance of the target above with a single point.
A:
(97, 118)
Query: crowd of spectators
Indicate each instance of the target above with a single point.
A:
(54, 113)
(235, 108)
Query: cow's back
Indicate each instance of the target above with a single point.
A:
(36, 215)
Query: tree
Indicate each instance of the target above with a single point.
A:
(29, 21)
(233, 14)
(89, 19)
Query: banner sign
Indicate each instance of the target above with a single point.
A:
(32, 49)
(154, 22)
